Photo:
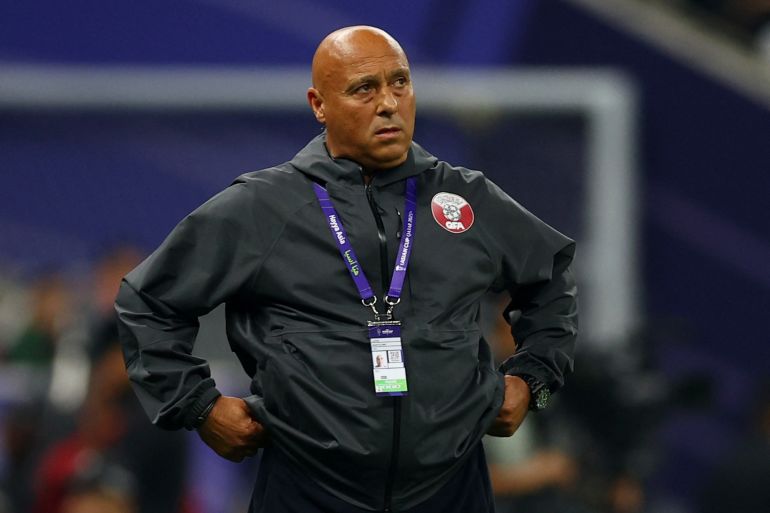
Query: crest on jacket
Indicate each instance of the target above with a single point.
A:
(452, 212)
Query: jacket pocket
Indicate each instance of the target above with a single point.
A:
(455, 394)
(319, 394)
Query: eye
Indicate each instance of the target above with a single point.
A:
(364, 88)
(401, 82)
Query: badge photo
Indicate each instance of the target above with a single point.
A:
(452, 212)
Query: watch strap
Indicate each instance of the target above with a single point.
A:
(201, 408)
(540, 394)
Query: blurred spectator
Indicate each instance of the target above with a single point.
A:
(105, 282)
(109, 271)
(527, 476)
(50, 315)
(14, 309)
(45, 314)
(741, 481)
(597, 449)
(157, 459)
(100, 487)
(528, 473)
(101, 424)
(64, 437)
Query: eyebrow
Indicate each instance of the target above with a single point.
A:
(368, 79)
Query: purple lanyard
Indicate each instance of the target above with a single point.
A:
(349, 256)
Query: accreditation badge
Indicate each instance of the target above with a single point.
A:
(387, 358)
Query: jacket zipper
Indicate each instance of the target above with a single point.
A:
(396, 403)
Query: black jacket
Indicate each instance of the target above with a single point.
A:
(295, 321)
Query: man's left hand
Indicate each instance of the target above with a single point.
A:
(514, 409)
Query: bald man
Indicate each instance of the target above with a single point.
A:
(352, 277)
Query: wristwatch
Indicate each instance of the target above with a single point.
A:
(540, 393)
(202, 416)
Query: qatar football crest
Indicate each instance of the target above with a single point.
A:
(452, 212)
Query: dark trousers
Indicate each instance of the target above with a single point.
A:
(280, 488)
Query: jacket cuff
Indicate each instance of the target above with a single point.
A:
(199, 406)
(520, 365)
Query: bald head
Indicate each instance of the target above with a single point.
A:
(344, 46)
(362, 93)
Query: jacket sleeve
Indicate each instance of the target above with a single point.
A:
(536, 269)
(206, 260)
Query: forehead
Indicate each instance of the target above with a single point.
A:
(368, 55)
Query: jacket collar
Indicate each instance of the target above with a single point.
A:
(314, 160)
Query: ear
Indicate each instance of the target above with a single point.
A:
(316, 102)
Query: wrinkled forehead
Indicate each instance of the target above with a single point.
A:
(358, 53)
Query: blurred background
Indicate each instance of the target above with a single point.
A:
(639, 128)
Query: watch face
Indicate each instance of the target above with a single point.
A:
(541, 398)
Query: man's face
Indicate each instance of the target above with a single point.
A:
(365, 99)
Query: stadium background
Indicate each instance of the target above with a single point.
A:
(662, 407)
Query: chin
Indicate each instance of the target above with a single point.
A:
(393, 152)
(388, 161)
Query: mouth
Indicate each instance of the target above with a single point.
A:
(387, 132)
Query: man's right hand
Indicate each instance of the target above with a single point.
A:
(231, 431)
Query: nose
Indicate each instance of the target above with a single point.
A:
(388, 103)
